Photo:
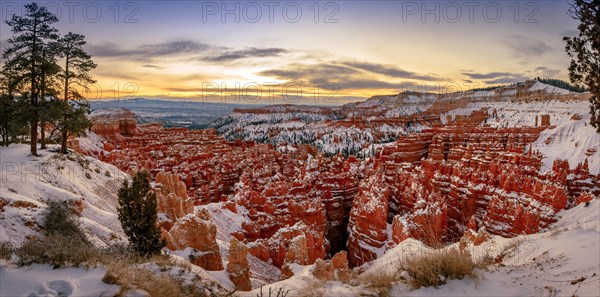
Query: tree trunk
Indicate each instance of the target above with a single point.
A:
(42, 121)
(34, 119)
(63, 142)
(42, 134)
(34, 136)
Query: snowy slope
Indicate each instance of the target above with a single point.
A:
(548, 88)
(570, 136)
(28, 182)
(574, 140)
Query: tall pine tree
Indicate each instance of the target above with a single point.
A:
(48, 87)
(137, 213)
(584, 51)
(32, 32)
(77, 65)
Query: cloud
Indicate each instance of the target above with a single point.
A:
(352, 74)
(347, 76)
(506, 80)
(526, 46)
(378, 84)
(111, 50)
(116, 75)
(152, 66)
(569, 33)
(547, 72)
(252, 52)
(496, 77)
(311, 73)
(391, 71)
(489, 75)
(183, 90)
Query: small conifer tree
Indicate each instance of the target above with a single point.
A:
(137, 213)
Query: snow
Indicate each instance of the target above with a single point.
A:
(548, 88)
(42, 280)
(568, 137)
(36, 180)
(570, 140)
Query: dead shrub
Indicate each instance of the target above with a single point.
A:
(382, 278)
(274, 292)
(122, 272)
(432, 269)
(6, 250)
(57, 250)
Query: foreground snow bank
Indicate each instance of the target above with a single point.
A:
(29, 182)
(42, 280)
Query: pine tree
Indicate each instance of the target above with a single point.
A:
(77, 65)
(48, 87)
(32, 32)
(584, 51)
(137, 213)
(6, 109)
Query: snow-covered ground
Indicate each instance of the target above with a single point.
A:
(570, 136)
(29, 182)
(42, 280)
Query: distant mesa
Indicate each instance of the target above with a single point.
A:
(110, 122)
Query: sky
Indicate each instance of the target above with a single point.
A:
(311, 52)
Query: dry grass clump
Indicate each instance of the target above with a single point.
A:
(274, 292)
(121, 272)
(6, 250)
(128, 270)
(424, 269)
(57, 250)
(382, 278)
(432, 269)
(65, 244)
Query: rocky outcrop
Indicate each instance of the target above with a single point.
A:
(340, 260)
(238, 267)
(113, 122)
(197, 232)
(173, 202)
(584, 197)
(368, 221)
(323, 269)
(295, 244)
(335, 268)
(580, 181)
